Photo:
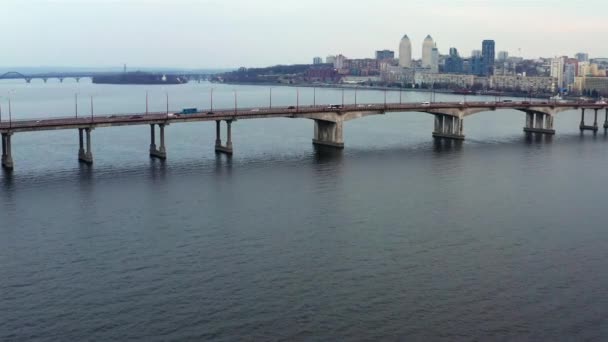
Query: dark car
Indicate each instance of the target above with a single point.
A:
(136, 117)
(210, 113)
(291, 107)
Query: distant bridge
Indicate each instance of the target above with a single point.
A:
(15, 75)
(328, 128)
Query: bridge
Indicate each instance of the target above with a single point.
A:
(15, 75)
(328, 121)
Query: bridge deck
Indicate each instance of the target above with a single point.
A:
(109, 120)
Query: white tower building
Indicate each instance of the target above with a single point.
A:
(405, 52)
(427, 52)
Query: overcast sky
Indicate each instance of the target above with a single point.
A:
(233, 33)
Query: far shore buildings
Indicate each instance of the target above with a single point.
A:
(483, 69)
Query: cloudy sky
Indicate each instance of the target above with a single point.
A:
(232, 33)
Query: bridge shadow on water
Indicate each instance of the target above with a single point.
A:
(319, 158)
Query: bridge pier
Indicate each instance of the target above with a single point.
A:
(328, 133)
(85, 156)
(583, 126)
(606, 120)
(7, 156)
(161, 152)
(537, 122)
(448, 127)
(219, 148)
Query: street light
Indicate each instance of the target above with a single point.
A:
(355, 96)
(211, 100)
(235, 102)
(91, 108)
(146, 102)
(342, 97)
(270, 99)
(76, 104)
(167, 96)
(297, 99)
(314, 96)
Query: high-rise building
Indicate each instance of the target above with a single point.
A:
(557, 71)
(385, 54)
(476, 53)
(582, 57)
(317, 60)
(331, 59)
(502, 56)
(453, 63)
(434, 60)
(569, 74)
(488, 56)
(427, 50)
(405, 52)
(340, 61)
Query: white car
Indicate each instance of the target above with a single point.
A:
(255, 110)
(426, 103)
(602, 102)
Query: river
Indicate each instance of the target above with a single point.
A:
(395, 238)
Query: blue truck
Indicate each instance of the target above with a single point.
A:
(189, 111)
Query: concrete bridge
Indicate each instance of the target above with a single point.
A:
(328, 121)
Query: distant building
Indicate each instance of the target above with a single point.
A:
(331, 59)
(557, 71)
(317, 60)
(453, 63)
(522, 83)
(434, 60)
(569, 74)
(405, 52)
(339, 62)
(385, 54)
(582, 57)
(427, 51)
(502, 56)
(476, 53)
(476, 66)
(591, 84)
(488, 56)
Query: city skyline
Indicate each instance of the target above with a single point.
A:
(153, 33)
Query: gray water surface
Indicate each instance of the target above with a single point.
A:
(395, 238)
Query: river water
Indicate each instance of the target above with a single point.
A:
(394, 238)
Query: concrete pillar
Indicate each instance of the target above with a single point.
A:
(229, 134)
(529, 120)
(549, 122)
(583, 126)
(539, 120)
(328, 133)
(450, 128)
(86, 156)
(162, 139)
(437, 123)
(7, 155)
(595, 121)
(152, 139)
(219, 148)
(218, 134)
(460, 126)
(606, 120)
(81, 154)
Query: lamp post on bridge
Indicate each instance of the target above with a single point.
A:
(91, 108)
(167, 97)
(314, 96)
(384, 97)
(355, 96)
(76, 104)
(146, 102)
(211, 100)
(297, 99)
(270, 98)
(235, 102)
